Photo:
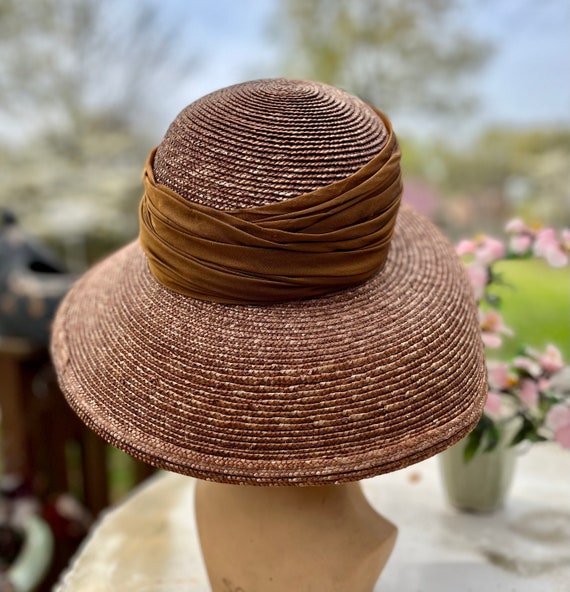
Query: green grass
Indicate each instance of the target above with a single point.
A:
(535, 304)
(120, 475)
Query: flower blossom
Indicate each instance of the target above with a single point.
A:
(517, 226)
(529, 394)
(492, 327)
(520, 245)
(478, 278)
(489, 250)
(558, 420)
(493, 404)
(485, 249)
(527, 365)
(544, 384)
(550, 248)
(499, 376)
(465, 247)
(551, 361)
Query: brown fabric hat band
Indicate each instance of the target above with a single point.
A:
(307, 246)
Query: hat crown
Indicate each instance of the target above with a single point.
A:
(264, 141)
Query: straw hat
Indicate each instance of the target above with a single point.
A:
(368, 377)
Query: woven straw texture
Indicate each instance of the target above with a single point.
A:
(331, 389)
(257, 143)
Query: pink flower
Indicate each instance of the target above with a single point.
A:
(494, 403)
(528, 365)
(547, 246)
(492, 326)
(551, 361)
(516, 226)
(558, 416)
(545, 239)
(520, 245)
(544, 384)
(491, 340)
(558, 420)
(499, 377)
(562, 436)
(489, 249)
(556, 258)
(478, 278)
(465, 247)
(528, 393)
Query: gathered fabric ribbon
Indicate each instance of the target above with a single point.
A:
(332, 238)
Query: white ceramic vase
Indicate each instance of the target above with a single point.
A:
(482, 483)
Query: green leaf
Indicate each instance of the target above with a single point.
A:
(493, 300)
(493, 436)
(527, 431)
(473, 441)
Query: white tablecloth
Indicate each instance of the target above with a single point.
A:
(149, 542)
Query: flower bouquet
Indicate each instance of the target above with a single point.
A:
(532, 390)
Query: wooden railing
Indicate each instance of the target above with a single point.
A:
(44, 443)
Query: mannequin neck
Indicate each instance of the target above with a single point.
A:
(277, 539)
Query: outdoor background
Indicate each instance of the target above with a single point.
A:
(478, 92)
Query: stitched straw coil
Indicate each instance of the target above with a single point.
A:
(331, 389)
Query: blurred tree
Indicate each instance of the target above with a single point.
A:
(411, 55)
(78, 79)
(65, 60)
(506, 172)
(418, 57)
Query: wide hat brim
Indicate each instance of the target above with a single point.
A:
(338, 388)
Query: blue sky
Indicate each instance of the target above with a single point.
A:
(527, 81)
